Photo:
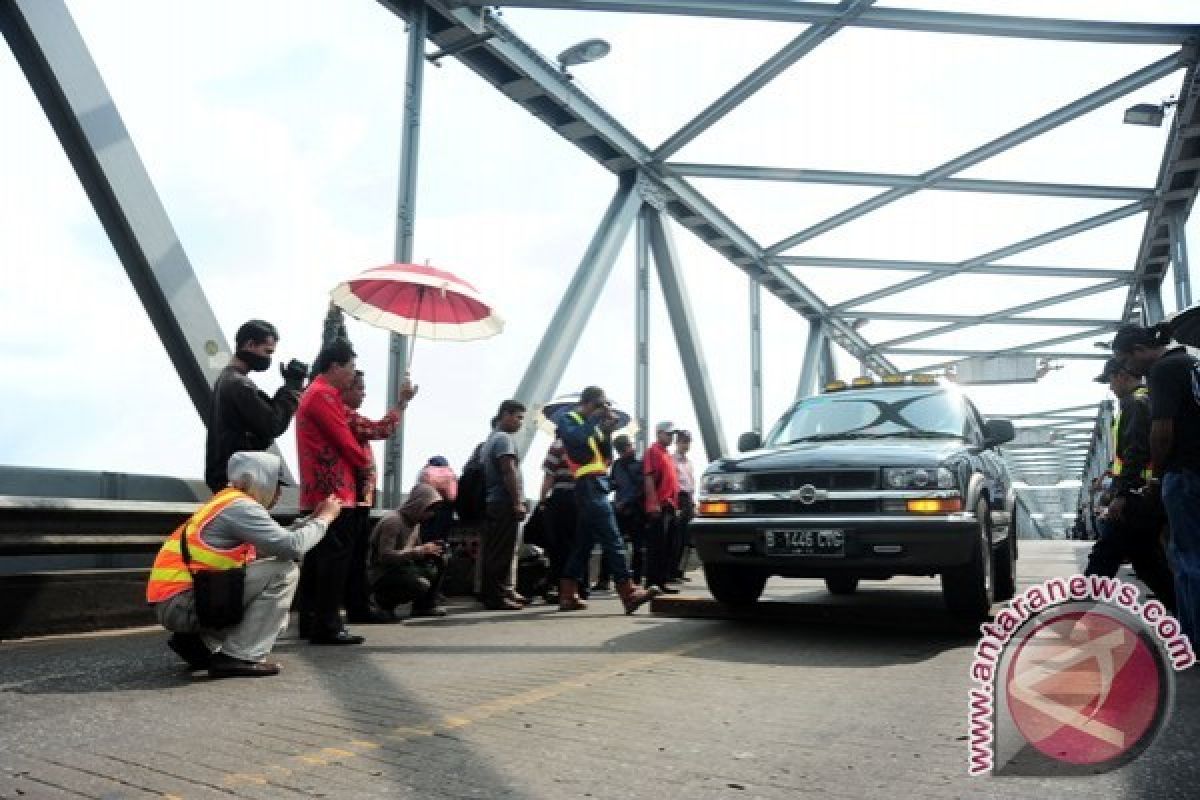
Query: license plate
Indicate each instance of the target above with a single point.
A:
(806, 543)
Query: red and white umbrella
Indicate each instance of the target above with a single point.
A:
(418, 300)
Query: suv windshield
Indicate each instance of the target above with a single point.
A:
(906, 411)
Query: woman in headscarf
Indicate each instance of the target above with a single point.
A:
(400, 568)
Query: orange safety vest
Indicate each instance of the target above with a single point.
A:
(598, 465)
(170, 575)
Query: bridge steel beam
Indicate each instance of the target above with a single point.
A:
(997, 317)
(810, 367)
(1054, 119)
(641, 389)
(1048, 237)
(549, 361)
(892, 180)
(1067, 30)
(770, 69)
(60, 70)
(756, 372)
(687, 333)
(1179, 260)
(1152, 303)
(947, 266)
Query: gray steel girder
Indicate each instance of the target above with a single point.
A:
(903, 19)
(687, 334)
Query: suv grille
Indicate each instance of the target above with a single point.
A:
(792, 508)
(843, 480)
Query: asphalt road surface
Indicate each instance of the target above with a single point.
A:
(814, 696)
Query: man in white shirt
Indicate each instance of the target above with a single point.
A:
(687, 505)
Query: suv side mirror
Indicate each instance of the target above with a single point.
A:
(998, 431)
(749, 441)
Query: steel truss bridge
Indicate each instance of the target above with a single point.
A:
(653, 187)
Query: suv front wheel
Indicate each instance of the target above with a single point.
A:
(969, 590)
(735, 585)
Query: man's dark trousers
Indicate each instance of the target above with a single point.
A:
(358, 593)
(323, 574)
(496, 556)
(560, 520)
(1136, 538)
(660, 546)
(632, 525)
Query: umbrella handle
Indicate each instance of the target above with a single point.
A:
(412, 339)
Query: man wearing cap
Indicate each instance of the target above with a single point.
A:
(235, 530)
(1133, 521)
(687, 504)
(586, 432)
(662, 498)
(1174, 380)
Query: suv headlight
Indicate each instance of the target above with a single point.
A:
(724, 482)
(917, 478)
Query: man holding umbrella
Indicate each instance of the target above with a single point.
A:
(586, 433)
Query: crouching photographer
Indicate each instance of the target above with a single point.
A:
(223, 581)
(400, 569)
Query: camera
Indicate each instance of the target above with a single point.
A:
(294, 372)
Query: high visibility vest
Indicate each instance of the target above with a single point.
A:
(170, 575)
(597, 465)
(1118, 463)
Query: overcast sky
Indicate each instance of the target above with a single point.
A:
(270, 130)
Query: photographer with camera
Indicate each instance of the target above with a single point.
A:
(400, 569)
(223, 582)
(243, 417)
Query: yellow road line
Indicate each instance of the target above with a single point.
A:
(467, 716)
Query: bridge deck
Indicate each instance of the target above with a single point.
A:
(537, 704)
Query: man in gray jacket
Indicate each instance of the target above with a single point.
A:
(236, 527)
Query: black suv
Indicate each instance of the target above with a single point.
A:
(865, 482)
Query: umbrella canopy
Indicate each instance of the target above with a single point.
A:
(545, 415)
(418, 300)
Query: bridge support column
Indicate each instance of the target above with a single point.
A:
(683, 322)
(756, 378)
(406, 210)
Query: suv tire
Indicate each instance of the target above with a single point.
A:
(841, 584)
(1004, 562)
(735, 585)
(968, 590)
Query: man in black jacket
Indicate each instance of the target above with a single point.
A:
(1135, 518)
(243, 417)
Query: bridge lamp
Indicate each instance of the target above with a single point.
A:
(1149, 114)
(585, 52)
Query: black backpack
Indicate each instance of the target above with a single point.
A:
(471, 502)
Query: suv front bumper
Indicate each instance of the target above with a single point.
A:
(875, 545)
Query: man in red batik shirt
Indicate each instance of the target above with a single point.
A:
(330, 460)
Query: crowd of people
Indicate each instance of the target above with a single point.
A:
(225, 581)
(1147, 505)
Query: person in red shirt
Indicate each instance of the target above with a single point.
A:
(330, 461)
(662, 498)
(365, 431)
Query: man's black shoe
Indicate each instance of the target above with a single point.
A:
(223, 666)
(191, 648)
(338, 637)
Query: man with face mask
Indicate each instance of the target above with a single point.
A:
(243, 417)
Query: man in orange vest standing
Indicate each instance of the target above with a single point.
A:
(586, 432)
(234, 531)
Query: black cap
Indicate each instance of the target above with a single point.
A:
(1111, 368)
(1129, 336)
